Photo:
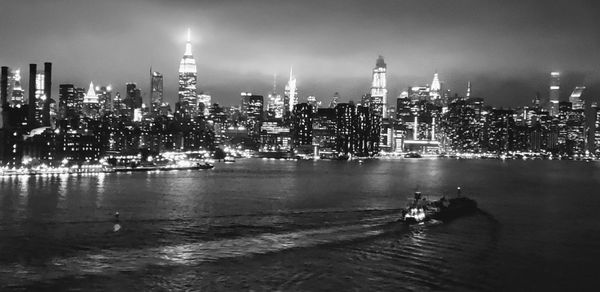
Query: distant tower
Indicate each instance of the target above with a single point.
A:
(468, 89)
(575, 98)
(188, 78)
(436, 88)
(554, 93)
(156, 91)
(378, 88)
(536, 101)
(291, 93)
(91, 104)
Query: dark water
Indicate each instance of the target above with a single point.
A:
(275, 225)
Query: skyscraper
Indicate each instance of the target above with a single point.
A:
(156, 92)
(378, 88)
(91, 104)
(291, 94)
(554, 93)
(252, 108)
(133, 102)
(187, 81)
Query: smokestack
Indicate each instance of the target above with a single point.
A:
(47, 93)
(31, 104)
(3, 96)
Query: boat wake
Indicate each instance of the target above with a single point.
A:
(110, 261)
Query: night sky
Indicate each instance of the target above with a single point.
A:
(506, 48)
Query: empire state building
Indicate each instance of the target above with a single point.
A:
(188, 103)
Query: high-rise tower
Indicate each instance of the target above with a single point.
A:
(378, 88)
(436, 88)
(554, 93)
(188, 104)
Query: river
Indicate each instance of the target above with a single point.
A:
(303, 225)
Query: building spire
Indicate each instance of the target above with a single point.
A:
(188, 45)
(468, 89)
(275, 83)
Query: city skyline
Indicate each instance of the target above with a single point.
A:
(228, 63)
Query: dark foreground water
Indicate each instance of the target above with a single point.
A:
(281, 225)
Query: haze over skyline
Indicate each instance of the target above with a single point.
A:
(505, 49)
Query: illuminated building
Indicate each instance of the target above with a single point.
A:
(70, 101)
(91, 104)
(596, 136)
(188, 103)
(104, 99)
(498, 131)
(302, 127)
(312, 101)
(344, 113)
(275, 106)
(275, 137)
(118, 105)
(291, 94)
(252, 109)
(378, 88)
(324, 126)
(575, 97)
(418, 93)
(204, 103)
(403, 109)
(362, 131)
(133, 102)
(571, 130)
(156, 92)
(554, 93)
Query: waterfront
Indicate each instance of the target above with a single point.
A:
(303, 225)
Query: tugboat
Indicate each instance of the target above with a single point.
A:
(420, 209)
